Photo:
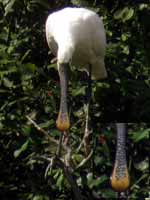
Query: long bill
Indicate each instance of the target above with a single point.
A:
(63, 122)
(120, 177)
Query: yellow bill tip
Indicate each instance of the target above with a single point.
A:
(63, 122)
(120, 184)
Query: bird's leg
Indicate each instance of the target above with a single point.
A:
(85, 140)
(63, 122)
(120, 176)
(87, 129)
(58, 151)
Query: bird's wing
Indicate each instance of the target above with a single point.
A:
(50, 37)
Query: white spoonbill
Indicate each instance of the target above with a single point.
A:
(76, 36)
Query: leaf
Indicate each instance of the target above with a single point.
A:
(90, 179)
(124, 14)
(124, 37)
(23, 148)
(79, 2)
(9, 7)
(26, 130)
(78, 113)
(94, 182)
(108, 194)
(97, 182)
(56, 174)
(55, 133)
(40, 197)
(128, 14)
(25, 55)
(98, 160)
(42, 3)
(143, 6)
(54, 66)
(7, 83)
(60, 181)
(47, 124)
(140, 135)
(126, 50)
(79, 181)
(119, 13)
(77, 158)
(143, 165)
(30, 67)
(78, 91)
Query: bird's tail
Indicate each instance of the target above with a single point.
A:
(98, 69)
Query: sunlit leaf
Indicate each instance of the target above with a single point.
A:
(126, 50)
(23, 148)
(60, 181)
(124, 14)
(79, 91)
(90, 180)
(9, 7)
(7, 83)
(143, 165)
(47, 124)
(140, 135)
(143, 6)
(25, 55)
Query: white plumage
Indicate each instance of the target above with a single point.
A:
(77, 36)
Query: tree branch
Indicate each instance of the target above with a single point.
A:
(42, 130)
(85, 160)
(68, 174)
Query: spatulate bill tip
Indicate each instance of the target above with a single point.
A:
(63, 122)
(120, 183)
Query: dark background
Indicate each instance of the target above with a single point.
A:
(29, 86)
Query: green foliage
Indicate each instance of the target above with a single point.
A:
(29, 88)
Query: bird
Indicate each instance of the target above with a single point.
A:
(76, 36)
(120, 179)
